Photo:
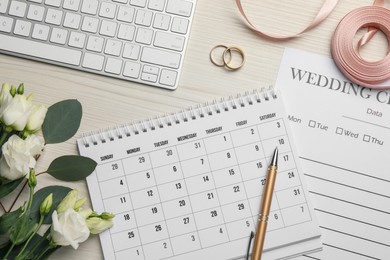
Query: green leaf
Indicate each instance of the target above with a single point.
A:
(7, 220)
(62, 121)
(22, 229)
(8, 187)
(59, 192)
(71, 167)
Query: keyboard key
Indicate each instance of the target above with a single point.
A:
(89, 6)
(107, 10)
(113, 47)
(131, 69)
(90, 24)
(22, 28)
(131, 51)
(77, 40)
(53, 16)
(161, 21)
(144, 18)
(40, 50)
(3, 6)
(179, 7)
(71, 5)
(72, 20)
(41, 32)
(140, 3)
(157, 5)
(95, 43)
(149, 77)
(126, 32)
(6, 24)
(55, 3)
(35, 1)
(113, 66)
(150, 69)
(58, 35)
(35, 12)
(161, 57)
(179, 25)
(168, 77)
(93, 61)
(169, 41)
(108, 28)
(126, 14)
(17, 8)
(144, 36)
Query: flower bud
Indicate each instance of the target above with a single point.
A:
(86, 213)
(68, 202)
(46, 205)
(98, 225)
(37, 116)
(107, 216)
(79, 203)
(94, 214)
(20, 89)
(32, 179)
(13, 91)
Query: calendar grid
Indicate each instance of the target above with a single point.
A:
(192, 210)
(185, 178)
(216, 190)
(162, 208)
(260, 176)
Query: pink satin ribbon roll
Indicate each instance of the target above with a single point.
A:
(365, 73)
(324, 11)
(347, 58)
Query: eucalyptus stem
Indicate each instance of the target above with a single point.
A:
(32, 235)
(2, 206)
(17, 196)
(9, 251)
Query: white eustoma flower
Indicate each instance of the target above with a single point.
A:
(36, 118)
(16, 111)
(68, 228)
(19, 156)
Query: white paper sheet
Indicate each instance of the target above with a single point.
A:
(342, 134)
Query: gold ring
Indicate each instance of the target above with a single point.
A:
(225, 53)
(230, 50)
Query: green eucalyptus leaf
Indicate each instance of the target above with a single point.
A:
(22, 229)
(8, 187)
(59, 192)
(62, 121)
(7, 220)
(71, 167)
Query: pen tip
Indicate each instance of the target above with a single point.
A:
(275, 157)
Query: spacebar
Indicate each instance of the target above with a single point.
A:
(40, 50)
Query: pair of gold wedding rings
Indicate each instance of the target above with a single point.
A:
(227, 57)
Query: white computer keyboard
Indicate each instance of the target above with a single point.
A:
(136, 40)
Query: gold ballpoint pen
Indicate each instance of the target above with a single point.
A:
(265, 208)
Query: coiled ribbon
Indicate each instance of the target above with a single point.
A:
(346, 57)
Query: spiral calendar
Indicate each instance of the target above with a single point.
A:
(188, 185)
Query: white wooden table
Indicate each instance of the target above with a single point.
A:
(109, 102)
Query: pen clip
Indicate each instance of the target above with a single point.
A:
(249, 244)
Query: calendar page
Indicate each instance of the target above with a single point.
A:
(189, 185)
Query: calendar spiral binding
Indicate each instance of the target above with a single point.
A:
(192, 113)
